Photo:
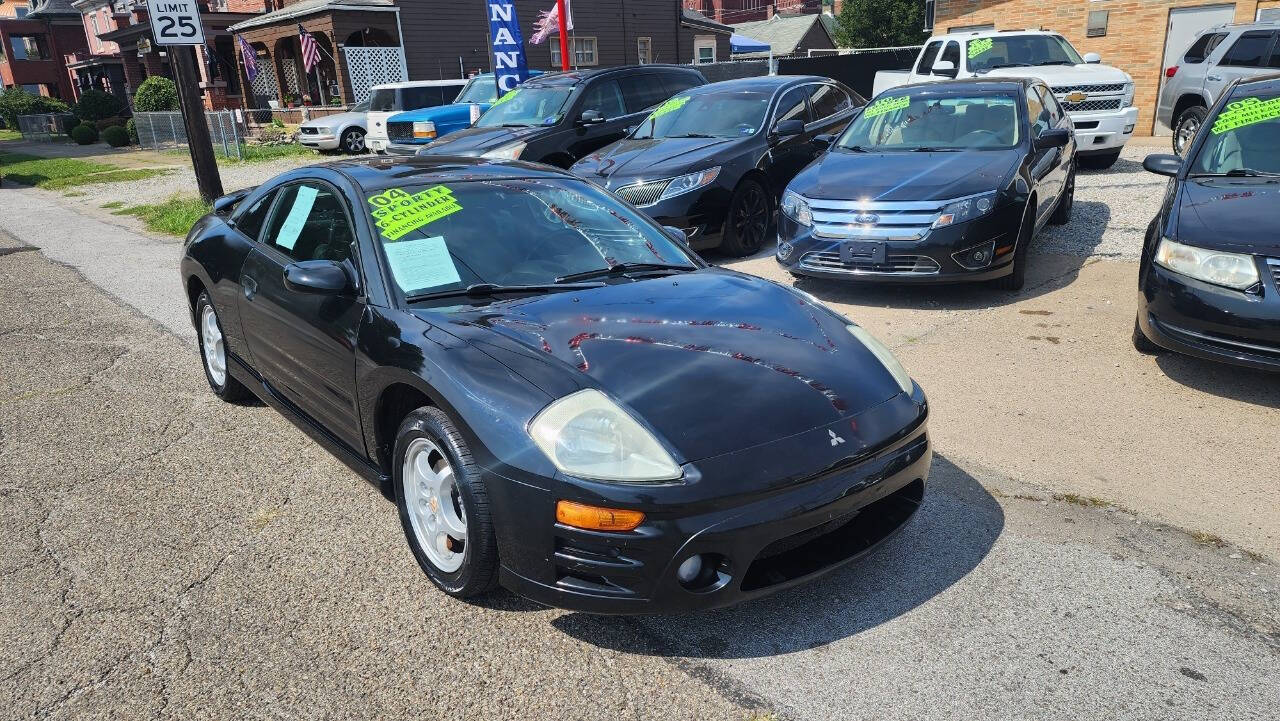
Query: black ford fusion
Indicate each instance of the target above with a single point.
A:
(936, 182)
(562, 397)
(713, 160)
(1209, 280)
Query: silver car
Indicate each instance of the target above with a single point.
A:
(341, 131)
(1219, 56)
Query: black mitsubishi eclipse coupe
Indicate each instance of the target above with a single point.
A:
(562, 397)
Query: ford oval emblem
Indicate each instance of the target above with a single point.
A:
(866, 218)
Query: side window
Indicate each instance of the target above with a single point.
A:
(675, 82)
(1036, 111)
(641, 91)
(1248, 50)
(310, 224)
(927, 57)
(952, 53)
(1050, 102)
(1274, 62)
(827, 100)
(792, 106)
(249, 220)
(422, 97)
(1202, 48)
(605, 97)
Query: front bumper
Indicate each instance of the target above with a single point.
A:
(1103, 132)
(753, 544)
(931, 259)
(318, 142)
(375, 144)
(700, 214)
(1211, 322)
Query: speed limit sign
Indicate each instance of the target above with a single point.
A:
(175, 22)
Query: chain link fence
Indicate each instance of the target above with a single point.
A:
(45, 128)
(165, 130)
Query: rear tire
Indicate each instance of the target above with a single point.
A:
(1186, 127)
(747, 223)
(1101, 161)
(445, 494)
(1018, 276)
(1142, 343)
(1062, 213)
(213, 353)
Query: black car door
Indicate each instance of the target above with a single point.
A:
(788, 154)
(831, 108)
(603, 96)
(1044, 163)
(303, 344)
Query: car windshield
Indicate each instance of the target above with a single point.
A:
(481, 89)
(1019, 51)
(722, 114)
(933, 122)
(1241, 138)
(527, 106)
(362, 107)
(451, 235)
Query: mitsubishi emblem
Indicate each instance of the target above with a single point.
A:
(835, 440)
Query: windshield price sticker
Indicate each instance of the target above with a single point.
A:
(506, 96)
(397, 213)
(886, 105)
(176, 22)
(1246, 112)
(979, 46)
(669, 106)
(421, 263)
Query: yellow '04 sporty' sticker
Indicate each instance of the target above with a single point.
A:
(670, 105)
(979, 46)
(1246, 112)
(885, 105)
(397, 213)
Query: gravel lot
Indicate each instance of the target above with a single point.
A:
(181, 179)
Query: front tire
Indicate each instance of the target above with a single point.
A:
(1186, 127)
(213, 353)
(352, 141)
(443, 504)
(1101, 161)
(747, 223)
(1142, 344)
(1018, 275)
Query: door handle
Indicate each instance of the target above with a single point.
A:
(250, 286)
(1214, 78)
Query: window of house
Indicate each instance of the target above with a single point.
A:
(582, 51)
(1247, 51)
(1096, 26)
(704, 49)
(1202, 48)
(29, 47)
(644, 50)
(928, 16)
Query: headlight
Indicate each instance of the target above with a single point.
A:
(686, 183)
(511, 151)
(967, 209)
(589, 436)
(886, 356)
(424, 130)
(321, 130)
(1233, 270)
(796, 208)
(1128, 95)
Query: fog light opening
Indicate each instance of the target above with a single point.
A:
(703, 572)
(979, 256)
(785, 249)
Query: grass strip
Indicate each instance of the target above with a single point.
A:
(111, 176)
(40, 172)
(174, 216)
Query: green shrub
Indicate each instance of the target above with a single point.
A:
(84, 134)
(132, 129)
(156, 94)
(16, 101)
(98, 105)
(116, 136)
(105, 123)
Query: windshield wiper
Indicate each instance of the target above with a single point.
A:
(693, 135)
(516, 125)
(620, 269)
(1055, 62)
(1238, 173)
(853, 148)
(1008, 65)
(934, 149)
(484, 290)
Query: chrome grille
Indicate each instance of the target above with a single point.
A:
(642, 194)
(873, 219)
(399, 132)
(1274, 265)
(1105, 104)
(895, 264)
(1109, 88)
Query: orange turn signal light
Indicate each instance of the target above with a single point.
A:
(595, 518)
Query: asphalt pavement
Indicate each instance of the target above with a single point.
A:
(1098, 541)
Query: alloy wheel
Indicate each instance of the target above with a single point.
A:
(1187, 130)
(434, 503)
(215, 354)
(353, 142)
(751, 218)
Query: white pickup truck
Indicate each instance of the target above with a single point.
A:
(1098, 98)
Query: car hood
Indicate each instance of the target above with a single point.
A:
(1227, 215)
(438, 112)
(651, 158)
(714, 360)
(335, 120)
(476, 141)
(903, 176)
(1057, 76)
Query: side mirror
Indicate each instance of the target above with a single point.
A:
(676, 234)
(824, 140)
(228, 201)
(945, 68)
(319, 277)
(1092, 58)
(787, 128)
(1162, 164)
(590, 117)
(1052, 138)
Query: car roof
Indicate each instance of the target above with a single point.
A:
(765, 83)
(420, 84)
(571, 78)
(970, 34)
(1255, 25)
(379, 173)
(1269, 81)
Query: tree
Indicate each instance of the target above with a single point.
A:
(156, 94)
(98, 105)
(880, 23)
(16, 101)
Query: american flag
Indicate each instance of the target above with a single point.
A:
(250, 58)
(310, 51)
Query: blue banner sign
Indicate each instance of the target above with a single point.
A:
(509, 66)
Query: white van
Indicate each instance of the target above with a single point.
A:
(387, 100)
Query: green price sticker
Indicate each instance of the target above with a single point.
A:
(670, 105)
(1247, 111)
(979, 46)
(397, 213)
(506, 96)
(885, 105)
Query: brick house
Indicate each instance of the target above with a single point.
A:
(33, 43)
(1137, 36)
(733, 12)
